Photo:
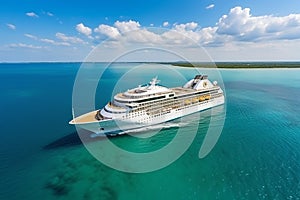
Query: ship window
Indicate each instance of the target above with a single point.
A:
(188, 95)
(150, 99)
(112, 112)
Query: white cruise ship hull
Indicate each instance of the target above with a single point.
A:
(118, 126)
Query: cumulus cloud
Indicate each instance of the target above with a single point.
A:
(132, 32)
(121, 28)
(127, 26)
(108, 31)
(81, 28)
(238, 22)
(32, 14)
(165, 24)
(143, 36)
(241, 25)
(11, 26)
(210, 6)
(187, 26)
(71, 39)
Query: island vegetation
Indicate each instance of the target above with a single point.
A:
(238, 65)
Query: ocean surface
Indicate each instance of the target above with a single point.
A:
(257, 155)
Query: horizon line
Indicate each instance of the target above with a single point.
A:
(162, 62)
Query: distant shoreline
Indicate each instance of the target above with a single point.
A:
(239, 65)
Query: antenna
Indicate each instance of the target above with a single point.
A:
(154, 81)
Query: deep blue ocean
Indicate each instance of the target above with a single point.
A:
(256, 157)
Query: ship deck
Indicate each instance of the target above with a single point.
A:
(115, 107)
(181, 90)
(86, 118)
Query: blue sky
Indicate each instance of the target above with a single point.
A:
(60, 30)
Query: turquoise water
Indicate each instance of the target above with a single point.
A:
(256, 157)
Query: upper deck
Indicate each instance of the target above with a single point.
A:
(143, 92)
(179, 91)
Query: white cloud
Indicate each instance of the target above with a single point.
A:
(49, 41)
(22, 45)
(237, 26)
(210, 6)
(142, 36)
(54, 42)
(83, 29)
(31, 36)
(11, 26)
(32, 14)
(50, 14)
(70, 39)
(127, 26)
(174, 37)
(108, 31)
(187, 26)
(241, 25)
(165, 24)
(186, 31)
(132, 32)
(233, 34)
(208, 36)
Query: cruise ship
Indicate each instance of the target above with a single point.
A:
(151, 104)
